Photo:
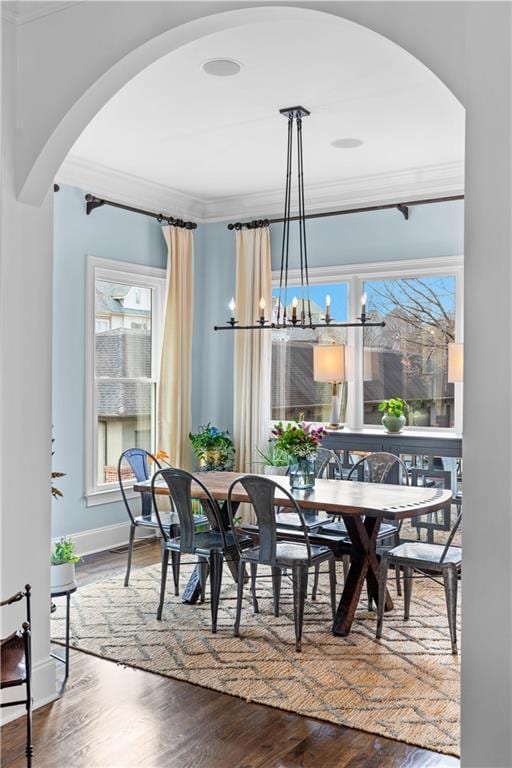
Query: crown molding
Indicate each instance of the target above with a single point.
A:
(398, 186)
(411, 184)
(17, 12)
(102, 181)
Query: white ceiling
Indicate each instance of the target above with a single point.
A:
(220, 141)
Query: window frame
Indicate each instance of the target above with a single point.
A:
(355, 275)
(119, 272)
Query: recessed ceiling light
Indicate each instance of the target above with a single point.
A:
(346, 143)
(222, 67)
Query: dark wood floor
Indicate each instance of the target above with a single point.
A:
(116, 717)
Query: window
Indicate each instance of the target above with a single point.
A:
(125, 311)
(420, 302)
(294, 390)
(408, 358)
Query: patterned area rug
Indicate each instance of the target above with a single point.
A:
(404, 687)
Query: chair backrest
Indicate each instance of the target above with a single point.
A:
(262, 495)
(137, 460)
(380, 467)
(327, 464)
(179, 483)
(449, 541)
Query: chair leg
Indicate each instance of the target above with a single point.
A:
(408, 570)
(130, 551)
(216, 562)
(176, 557)
(346, 566)
(369, 596)
(398, 581)
(450, 577)
(276, 588)
(254, 574)
(29, 749)
(163, 579)
(300, 585)
(332, 580)
(239, 595)
(383, 577)
(203, 575)
(314, 591)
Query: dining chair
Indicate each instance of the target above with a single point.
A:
(425, 559)
(279, 555)
(16, 665)
(434, 521)
(211, 547)
(137, 460)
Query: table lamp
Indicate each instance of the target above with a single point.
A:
(455, 362)
(329, 367)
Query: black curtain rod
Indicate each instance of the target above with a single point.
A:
(96, 202)
(402, 207)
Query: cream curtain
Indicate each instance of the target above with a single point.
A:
(253, 349)
(174, 402)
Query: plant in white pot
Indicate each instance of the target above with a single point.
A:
(394, 411)
(62, 571)
(275, 461)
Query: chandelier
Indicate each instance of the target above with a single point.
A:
(301, 315)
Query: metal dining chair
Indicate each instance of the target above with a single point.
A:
(279, 555)
(137, 460)
(434, 521)
(425, 559)
(16, 665)
(211, 547)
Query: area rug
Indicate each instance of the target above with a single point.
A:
(405, 686)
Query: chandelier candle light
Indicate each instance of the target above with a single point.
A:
(301, 316)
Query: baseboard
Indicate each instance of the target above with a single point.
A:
(107, 537)
(43, 687)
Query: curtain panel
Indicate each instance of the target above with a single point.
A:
(253, 349)
(175, 391)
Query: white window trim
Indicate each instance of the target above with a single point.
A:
(354, 275)
(120, 272)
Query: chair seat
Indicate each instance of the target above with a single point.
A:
(427, 554)
(211, 540)
(289, 553)
(167, 519)
(12, 661)
(339, 527)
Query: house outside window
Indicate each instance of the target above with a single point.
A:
(124, 328)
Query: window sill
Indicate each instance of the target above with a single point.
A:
(108, 496)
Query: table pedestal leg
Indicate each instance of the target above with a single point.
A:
(364, 567)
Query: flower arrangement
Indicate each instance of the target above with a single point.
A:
(213, 448)
(298, 439)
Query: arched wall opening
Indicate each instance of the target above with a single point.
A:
(467, 46)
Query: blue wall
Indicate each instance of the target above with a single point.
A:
(432, 230)
(107, 233)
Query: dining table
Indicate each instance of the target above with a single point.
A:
(362, 507)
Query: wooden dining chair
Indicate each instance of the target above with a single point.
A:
(16, 665)
(279, 555)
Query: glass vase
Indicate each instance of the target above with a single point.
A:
(301, 473)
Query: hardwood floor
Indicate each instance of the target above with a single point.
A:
(116, 717)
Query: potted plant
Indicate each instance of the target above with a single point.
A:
(394, 411)
(62, 571)
(213, 448)
(300, 441)
(275, 461)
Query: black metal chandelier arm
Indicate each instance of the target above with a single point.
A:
(302, 221)
(303, 326)
(286, 228)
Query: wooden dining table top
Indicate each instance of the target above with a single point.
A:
(345, 497)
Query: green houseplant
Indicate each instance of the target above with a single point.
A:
(275, 461)
(213, 448)
(394, 411)
(300, 441)
(63, 559)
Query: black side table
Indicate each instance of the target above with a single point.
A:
(60, 592)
